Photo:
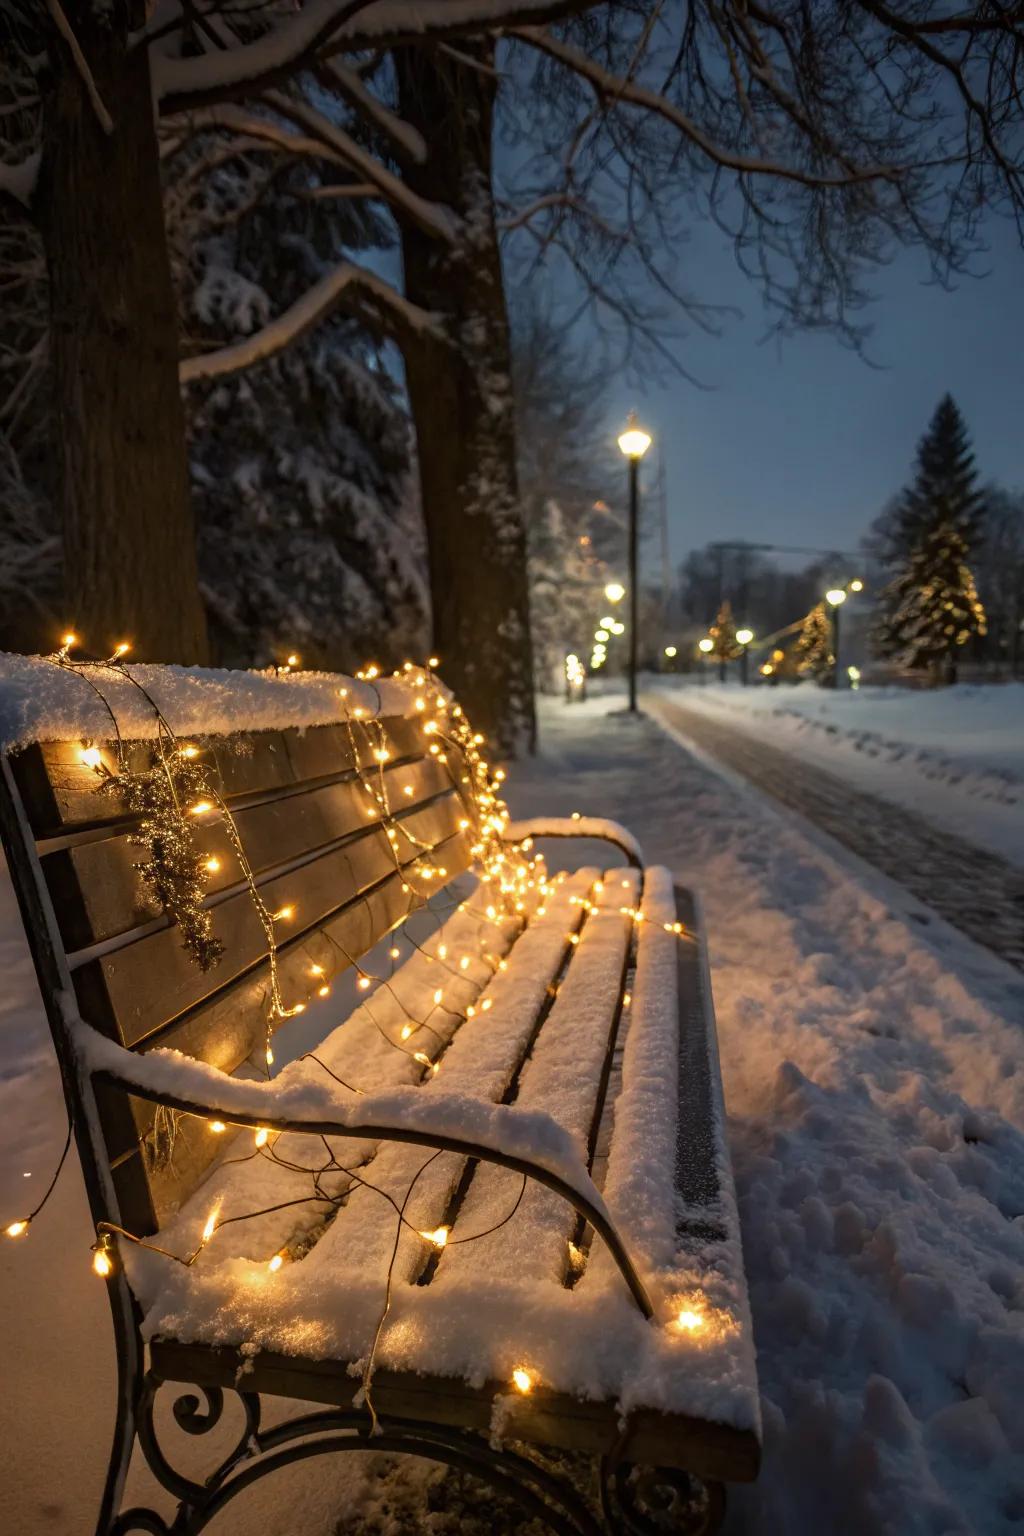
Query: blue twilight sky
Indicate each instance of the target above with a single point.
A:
(803, 444)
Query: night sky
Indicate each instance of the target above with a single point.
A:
(802, 443)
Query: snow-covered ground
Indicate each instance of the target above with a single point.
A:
(875, 1086)
(953, 755)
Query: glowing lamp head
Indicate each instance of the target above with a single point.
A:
(857, 585)
(522, 1380)
(615, 591)
(16, 1229)
(671, 651)
(744, 636)
(706, 645)
(634, 442)
(835, 596)
(689, 1321)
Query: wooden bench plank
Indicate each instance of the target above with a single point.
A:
(139, 988)
(99, 895)
(564, 1076)
(483, 1060)
(706, 1449)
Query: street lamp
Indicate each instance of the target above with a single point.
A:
(744, 637)
(706, 645)
(633, 443)
(615, 591)
(836, 596)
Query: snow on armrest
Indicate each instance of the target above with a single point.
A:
(531, 1136)
(577, 826)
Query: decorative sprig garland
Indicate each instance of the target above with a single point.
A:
(173, 869)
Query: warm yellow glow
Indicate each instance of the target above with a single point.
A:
(101, 1263)
(91, 757)
(292, 660)
(706, 645)
(856, 585)
(522, 1380)
(438, 995)
(323, 991)
(201, 807)
(634, 442)
(16, 1229)
(190, 751)
(438, 1237)
(601, 635)
(615, 592)
(363, 983)
(422, 1058)
(835, 596)
(262, 1136)
(122, 649)
(275, 1263)
(69, 640)
(284, 914)
(670, 651)
(213, 864)
(211, 1224)
(744, 636)
(690, 1321)
(433, 661)
(218, 1127)
(406, 1031)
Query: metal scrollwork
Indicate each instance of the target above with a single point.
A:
(659, 1501)
(536, 1491)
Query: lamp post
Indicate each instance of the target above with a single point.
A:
(744, 637)
(836, 597)
(633, 443)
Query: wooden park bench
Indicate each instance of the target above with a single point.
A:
(497, 1194)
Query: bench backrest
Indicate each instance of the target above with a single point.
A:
(317, 842)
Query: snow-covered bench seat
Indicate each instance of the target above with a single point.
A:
(536, 1092)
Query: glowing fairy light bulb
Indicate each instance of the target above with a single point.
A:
(101, 1263)
(275, 1263)
(422, 1058)
(16, 1229)
(394, 951)
(292, 660)
(363, 983)
(464, 963)
(689, 1321)
(438, 1237)
(284, 914)
(122, 648)
(91, 757)
(522, 1380)
(316, 970)
(270, 1057)
(407, 789)
(190, 751)
(218, 1127)
(442, 951)
(438, 995)
(211, 1224)
(323, 991)
(381, 754)
(69, 640)
(262, 1136)
(200, 808)
(406, 1031)
(212, 864)
(433, 661)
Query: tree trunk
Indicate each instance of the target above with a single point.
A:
(129, 536)
(461, 396)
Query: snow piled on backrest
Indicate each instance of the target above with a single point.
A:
(40, 701)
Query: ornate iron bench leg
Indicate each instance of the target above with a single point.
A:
(537, 1492)
(659, 1501)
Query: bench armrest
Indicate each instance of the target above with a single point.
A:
(529, 1142)
(595, 827)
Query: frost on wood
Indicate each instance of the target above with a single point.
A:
(40, 701)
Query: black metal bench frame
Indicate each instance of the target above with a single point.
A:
(630, 1497)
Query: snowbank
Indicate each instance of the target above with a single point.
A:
(43, 702)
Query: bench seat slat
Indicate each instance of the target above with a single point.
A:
(564, 1076)
(483, 1060)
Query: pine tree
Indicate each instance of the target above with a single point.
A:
(944, 489)
(813, 650)
(723, 633)
(932, 607)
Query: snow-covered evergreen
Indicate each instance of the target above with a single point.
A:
(932, 606)
(310, 536)
(813, 650)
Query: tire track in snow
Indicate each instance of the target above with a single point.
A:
(970, 888)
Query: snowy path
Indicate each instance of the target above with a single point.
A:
(973, 889)
(875, 1089)
(875, 1086)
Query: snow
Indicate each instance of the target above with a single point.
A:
(875, 1090)
(953, 755)
(40, 701)
(594, 827)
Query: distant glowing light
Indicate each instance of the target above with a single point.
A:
(671, 651)
(615, 592)
(522, 1380)
(744, 636)
(835, 596)
(706, 645)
